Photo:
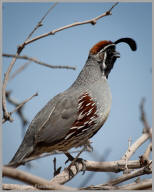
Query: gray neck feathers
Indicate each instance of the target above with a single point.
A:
(89, 74)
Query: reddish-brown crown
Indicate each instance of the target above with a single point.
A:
(100, 45)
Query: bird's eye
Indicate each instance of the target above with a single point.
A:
(101, 55)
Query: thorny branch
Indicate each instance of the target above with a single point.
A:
(6, 114)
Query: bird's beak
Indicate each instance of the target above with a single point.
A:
(116, 54)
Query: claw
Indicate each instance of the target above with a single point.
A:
(75, 162)
(70, 172)
(82, 161)
(57, 171)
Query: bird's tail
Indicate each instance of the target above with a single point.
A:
(20, 156)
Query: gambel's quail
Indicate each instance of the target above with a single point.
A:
(72, 117)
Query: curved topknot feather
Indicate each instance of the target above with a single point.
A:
(129, 41)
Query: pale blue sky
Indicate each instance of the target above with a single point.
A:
(130, 80)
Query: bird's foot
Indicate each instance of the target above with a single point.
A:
(57, 171)
(75, 161)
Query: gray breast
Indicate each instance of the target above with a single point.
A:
(100, 91)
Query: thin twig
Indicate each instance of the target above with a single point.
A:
(36, 94)
(128, 176)
(20, 110)
(144, 184)
(144, 119)
(90, 21)
(20, 105)
(39, 24)
(129, 144)
(144, 137)
(21, 68)
(125, 177)
(39, 62)
(6, 114)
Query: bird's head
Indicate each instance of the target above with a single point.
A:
(104, 52)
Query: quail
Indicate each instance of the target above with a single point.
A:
(75, 115)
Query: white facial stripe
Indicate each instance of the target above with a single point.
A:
(104, 65)
(106, 47)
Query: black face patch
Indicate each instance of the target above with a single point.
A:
(108, 56)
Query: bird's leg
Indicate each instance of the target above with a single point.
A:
(75, 162)
(56, 171)
(69, 156)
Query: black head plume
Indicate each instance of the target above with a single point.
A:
(129, 41)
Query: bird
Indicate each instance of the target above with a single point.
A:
(72, 117)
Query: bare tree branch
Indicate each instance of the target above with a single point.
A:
(144, 159)
(39, 24)
(90, 21)
(144, 119)
(33, 180)
(17, 187)
(123, 178)
(144, 137)
(20, 110)
(39, 62)
(128, 176)
(144, 184)
(20, 105)
(21, 68)
(113, 166)
(6, 114)
(101, 158)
